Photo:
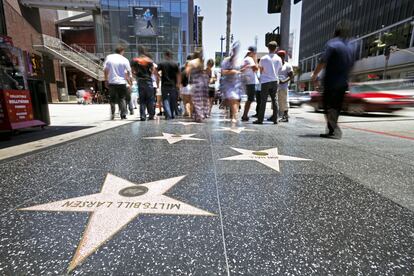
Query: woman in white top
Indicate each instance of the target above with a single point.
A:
(231, 82)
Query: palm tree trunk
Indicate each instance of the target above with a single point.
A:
(228, 28)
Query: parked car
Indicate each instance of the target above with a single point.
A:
(373, 97)
(298, 98)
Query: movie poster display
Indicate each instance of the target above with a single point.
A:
(146, 21)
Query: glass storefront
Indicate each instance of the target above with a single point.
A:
(159, 25)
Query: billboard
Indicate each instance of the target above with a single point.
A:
(145, 21)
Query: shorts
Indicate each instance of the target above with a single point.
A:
(158, 93)
(251, 92)
(211, 92)
(186, 90)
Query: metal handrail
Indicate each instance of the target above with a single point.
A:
(86, 53)
(60, 46)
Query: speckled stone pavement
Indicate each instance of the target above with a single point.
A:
(334, 207)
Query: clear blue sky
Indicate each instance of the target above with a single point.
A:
(250, 18)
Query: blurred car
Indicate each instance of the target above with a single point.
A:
(384, 96)
(298, 98)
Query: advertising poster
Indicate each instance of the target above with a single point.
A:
(16, 110)
(19, 105)
(145, 21)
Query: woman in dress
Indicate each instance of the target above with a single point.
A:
(231, 82)
(199, 86)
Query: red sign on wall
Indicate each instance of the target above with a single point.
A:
(16, 110)
(19, 105)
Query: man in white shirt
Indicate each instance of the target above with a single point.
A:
(285, 75)
(249, 69)
(117, 75)
(270, 66)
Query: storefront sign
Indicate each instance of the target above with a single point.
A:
(16, 110)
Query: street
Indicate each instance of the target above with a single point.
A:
(179, 198)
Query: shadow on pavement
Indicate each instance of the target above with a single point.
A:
(310, 136)
(33, 134)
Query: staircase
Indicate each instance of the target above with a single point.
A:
(74, 56)
(73, 5)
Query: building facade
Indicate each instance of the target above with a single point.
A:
(24, 25)
(158, 25)
(376, 24)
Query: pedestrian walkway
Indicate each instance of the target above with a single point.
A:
(181, 198)
(67, 122)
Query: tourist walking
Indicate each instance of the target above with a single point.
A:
(249, 69)
(117, 72)
(211, 85)
(143, 68)
(170, 83)
(185, 91)
(285, 76)
(337, 60)
(157, 90)
(231, 82)
(270, 66)
(134, 93)
(199, 85)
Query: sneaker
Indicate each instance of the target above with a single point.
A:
(234, 121)
(284, 120)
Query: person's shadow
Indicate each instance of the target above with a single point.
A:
(309, 136)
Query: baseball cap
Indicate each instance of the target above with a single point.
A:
(252, 49)
(281, 52)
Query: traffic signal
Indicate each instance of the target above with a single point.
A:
(274, 6)
(272, 37)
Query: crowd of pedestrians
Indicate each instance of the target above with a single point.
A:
(191, 91)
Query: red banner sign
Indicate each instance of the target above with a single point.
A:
(19, 105)
(16, 110)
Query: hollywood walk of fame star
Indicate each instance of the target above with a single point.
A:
(118, 203)
(223, 120)
(187, 123)
(237, 130)
(269, 157)
(174, 138)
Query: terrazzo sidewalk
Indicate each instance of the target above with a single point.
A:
(170, 198)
